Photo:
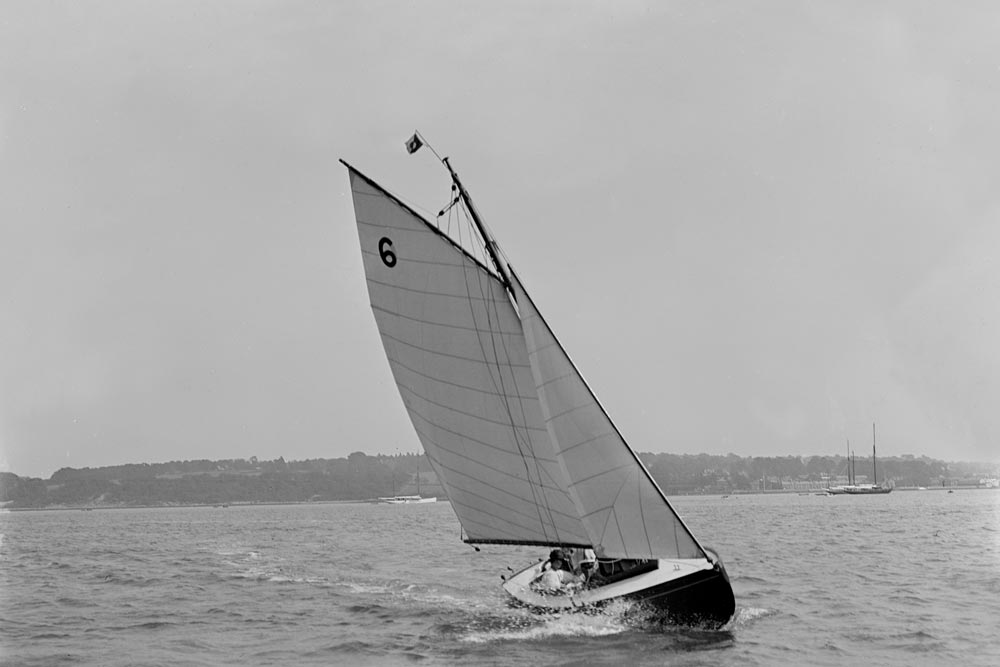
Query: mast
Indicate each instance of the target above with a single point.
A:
(491, 244)
(874, 469)
(849, 480)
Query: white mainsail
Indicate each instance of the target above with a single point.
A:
(459, 358)
(524, 450)
(624, 512)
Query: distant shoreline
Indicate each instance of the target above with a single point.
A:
(79, 508)
(375, 501)
(363, 478)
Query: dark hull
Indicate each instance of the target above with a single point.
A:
(703, 598)
(856, 491)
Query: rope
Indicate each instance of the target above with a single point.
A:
(492, 314)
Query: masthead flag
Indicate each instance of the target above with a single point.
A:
(413, 144)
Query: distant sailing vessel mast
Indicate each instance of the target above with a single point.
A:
(524, 450)
(854, 489)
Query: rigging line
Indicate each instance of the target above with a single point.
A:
(429, 146)
(437, 463)
(502, 389)
(541, 499)
(434, 430)
(475, 240)
(614, 513)
(505, 400)
(635, 457)
(677, 541)
(493, 303)
(604, 528)
(539, 469)
(461, 244)
(502, 490)
(458, 228)
(642, 514)
(540, 472)
(441, 449)
(443, 406)
(429, 350)
(450, 218)
(558, 450)
(618, 526)
(427, 376)
(432, 323)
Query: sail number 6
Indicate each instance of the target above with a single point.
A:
(385, 252)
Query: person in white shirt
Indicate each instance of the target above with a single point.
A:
(556, 574)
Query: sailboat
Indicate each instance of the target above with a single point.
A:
(854, 489)
(407, 500)
(523, 449)
(841, 489)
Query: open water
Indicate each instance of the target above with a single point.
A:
(911, 578)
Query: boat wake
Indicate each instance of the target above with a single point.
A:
(523, 625)
(746, 616)
(618, 618)
(569, 625)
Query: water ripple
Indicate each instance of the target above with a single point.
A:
(900, 580)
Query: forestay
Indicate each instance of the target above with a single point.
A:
(624, 512)
(459, 358)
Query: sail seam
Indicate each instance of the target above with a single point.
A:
(492, 528)
(419, 291)
(556, 484)
(554, 380)
(411, 260)
(466, 387)
(415, 412)
(408, 230)
(534, 429)
(491, 499)
(583, 480)
(460, 455)
(442, 354)
(546, 347)
(437, 324)
(566, 450)
(538, 496)
(510, 524)
(483, 465)
(543, 540)
(573, 409)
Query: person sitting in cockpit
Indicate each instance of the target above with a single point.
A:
(557, 574)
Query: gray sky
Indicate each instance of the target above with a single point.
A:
(756, 227)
